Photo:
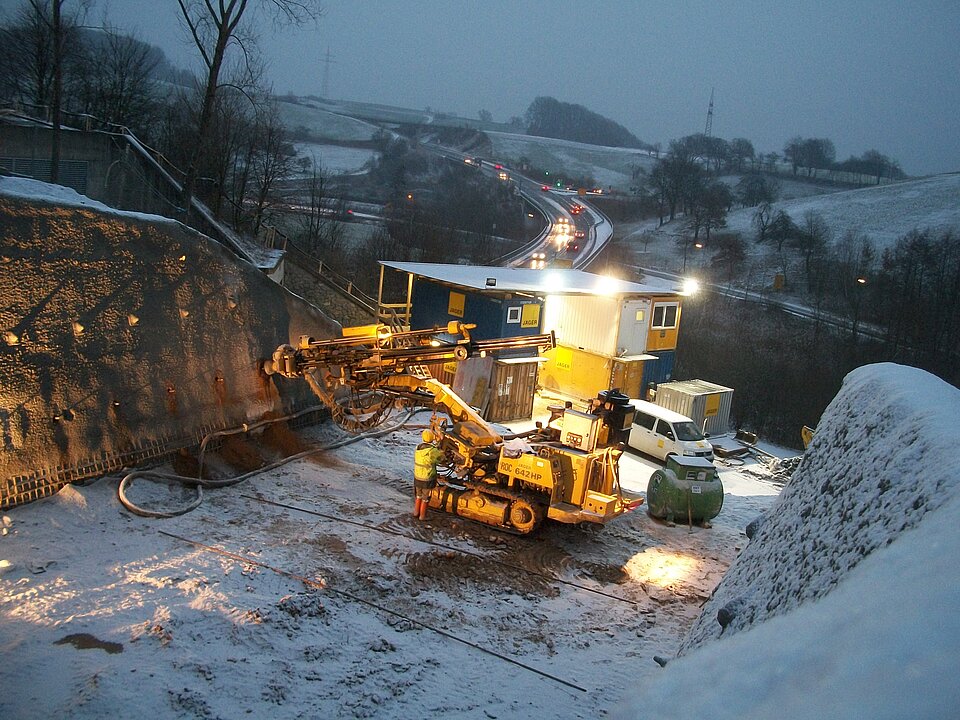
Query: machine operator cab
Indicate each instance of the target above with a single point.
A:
(661, 432)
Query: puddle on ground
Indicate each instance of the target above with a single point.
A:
(86, 641)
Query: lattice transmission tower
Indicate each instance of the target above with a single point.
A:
(326, 74)
(709, 127)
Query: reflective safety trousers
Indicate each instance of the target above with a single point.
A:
(425, 459)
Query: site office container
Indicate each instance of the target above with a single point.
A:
(610, 342)
(502, 388)
(495, 315)
(706, 403)
(582, 374)
(614, 325)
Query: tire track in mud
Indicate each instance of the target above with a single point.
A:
(485, 569)
(557, 554)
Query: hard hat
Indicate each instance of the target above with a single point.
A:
(427, 436)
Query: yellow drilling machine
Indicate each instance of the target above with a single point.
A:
(565, 470)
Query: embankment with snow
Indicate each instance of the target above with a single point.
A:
(844, 601)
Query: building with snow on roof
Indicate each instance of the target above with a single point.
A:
(611, 333)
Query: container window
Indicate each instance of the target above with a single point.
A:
(513, 314)
(665, 315)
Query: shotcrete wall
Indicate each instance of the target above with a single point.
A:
(126, 337)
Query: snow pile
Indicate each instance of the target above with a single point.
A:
(842, 592)
(28, 189)
(883, 456)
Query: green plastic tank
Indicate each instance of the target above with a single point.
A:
(688, 489)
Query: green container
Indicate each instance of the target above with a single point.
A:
(688, 489)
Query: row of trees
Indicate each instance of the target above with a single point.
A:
(819, 154)
(809, 154)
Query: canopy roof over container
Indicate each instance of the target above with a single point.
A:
(551, 281)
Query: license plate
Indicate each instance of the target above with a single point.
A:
(695, 490)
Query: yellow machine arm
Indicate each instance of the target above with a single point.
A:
(371, 351)
(361, 375)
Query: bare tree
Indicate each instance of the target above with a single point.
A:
(118, 84)
(741, 149)
(35, 51)
(272, 161)
(793, 152)
(853, 264)
(754, 188)
(818, 154)
(811, 241)
(26, 55)
(762, 217)
(214, 29)
(730, 253)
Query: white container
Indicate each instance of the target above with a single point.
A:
(606, 325)
(706, 403)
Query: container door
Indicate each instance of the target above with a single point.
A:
(634, 321)
(513, 387)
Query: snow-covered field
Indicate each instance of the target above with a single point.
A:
(884, 213)
(104, 612)
(336, 159)
(323, 124)
(610, 167)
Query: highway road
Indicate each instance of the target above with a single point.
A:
(575, 231)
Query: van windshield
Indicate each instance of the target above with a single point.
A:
(687, 431)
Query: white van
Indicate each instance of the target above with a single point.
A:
(661, 432)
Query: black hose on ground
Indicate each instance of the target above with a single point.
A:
(200, 483)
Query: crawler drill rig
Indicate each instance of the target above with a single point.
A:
(566, 470)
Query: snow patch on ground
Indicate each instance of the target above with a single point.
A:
(609, 166)
(323, 124)
(336, 159)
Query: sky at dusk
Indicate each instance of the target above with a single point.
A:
(867, 74)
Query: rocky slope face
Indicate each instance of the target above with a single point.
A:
(125, 336)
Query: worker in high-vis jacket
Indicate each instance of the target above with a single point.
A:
(425, 460)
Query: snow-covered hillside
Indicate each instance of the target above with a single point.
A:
(884, 214)
(844, 602)
(324, 125)
(609, 166)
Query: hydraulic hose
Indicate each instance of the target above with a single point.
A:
(200, 483)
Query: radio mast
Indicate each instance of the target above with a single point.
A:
(709, 128)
